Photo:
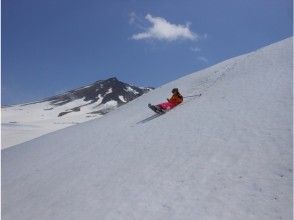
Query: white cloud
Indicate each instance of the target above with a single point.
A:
(161, 29)
(195, 49)
(132, 17)
(202, 59)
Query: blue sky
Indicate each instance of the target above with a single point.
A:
(52, 46)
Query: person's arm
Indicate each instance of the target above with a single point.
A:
(181, 97)
(171, 99)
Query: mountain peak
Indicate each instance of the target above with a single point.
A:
(112, 79)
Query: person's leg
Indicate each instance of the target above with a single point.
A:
(165, 106)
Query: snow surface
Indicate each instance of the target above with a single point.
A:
(22, 123)
(224, 155)
(109, 91)
(130, 89)
(122, 98)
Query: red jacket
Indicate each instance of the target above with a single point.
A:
(176, 99)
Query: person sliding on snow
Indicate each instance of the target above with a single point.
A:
(176, 99)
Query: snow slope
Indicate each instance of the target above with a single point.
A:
(224, 155)
(24, 123)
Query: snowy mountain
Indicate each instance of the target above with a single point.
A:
(225, 155)
(24, 122)
(104, 93)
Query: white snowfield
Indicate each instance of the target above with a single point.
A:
(225, 155)
(21, 123)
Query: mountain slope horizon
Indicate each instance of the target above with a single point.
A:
(224, 155)
(27, 121)
(74, 91)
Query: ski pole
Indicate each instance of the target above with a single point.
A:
(192, 96)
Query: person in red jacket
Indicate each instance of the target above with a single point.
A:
(176, 99)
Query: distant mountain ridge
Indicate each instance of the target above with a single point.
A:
(110, 89)
(72, 107)
(101, 92)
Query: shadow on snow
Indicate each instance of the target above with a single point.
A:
(149, 118)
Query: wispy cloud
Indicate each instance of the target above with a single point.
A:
(161, 29)
(135, 20)
(132, 17)
(195, 49)
(202, 59)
